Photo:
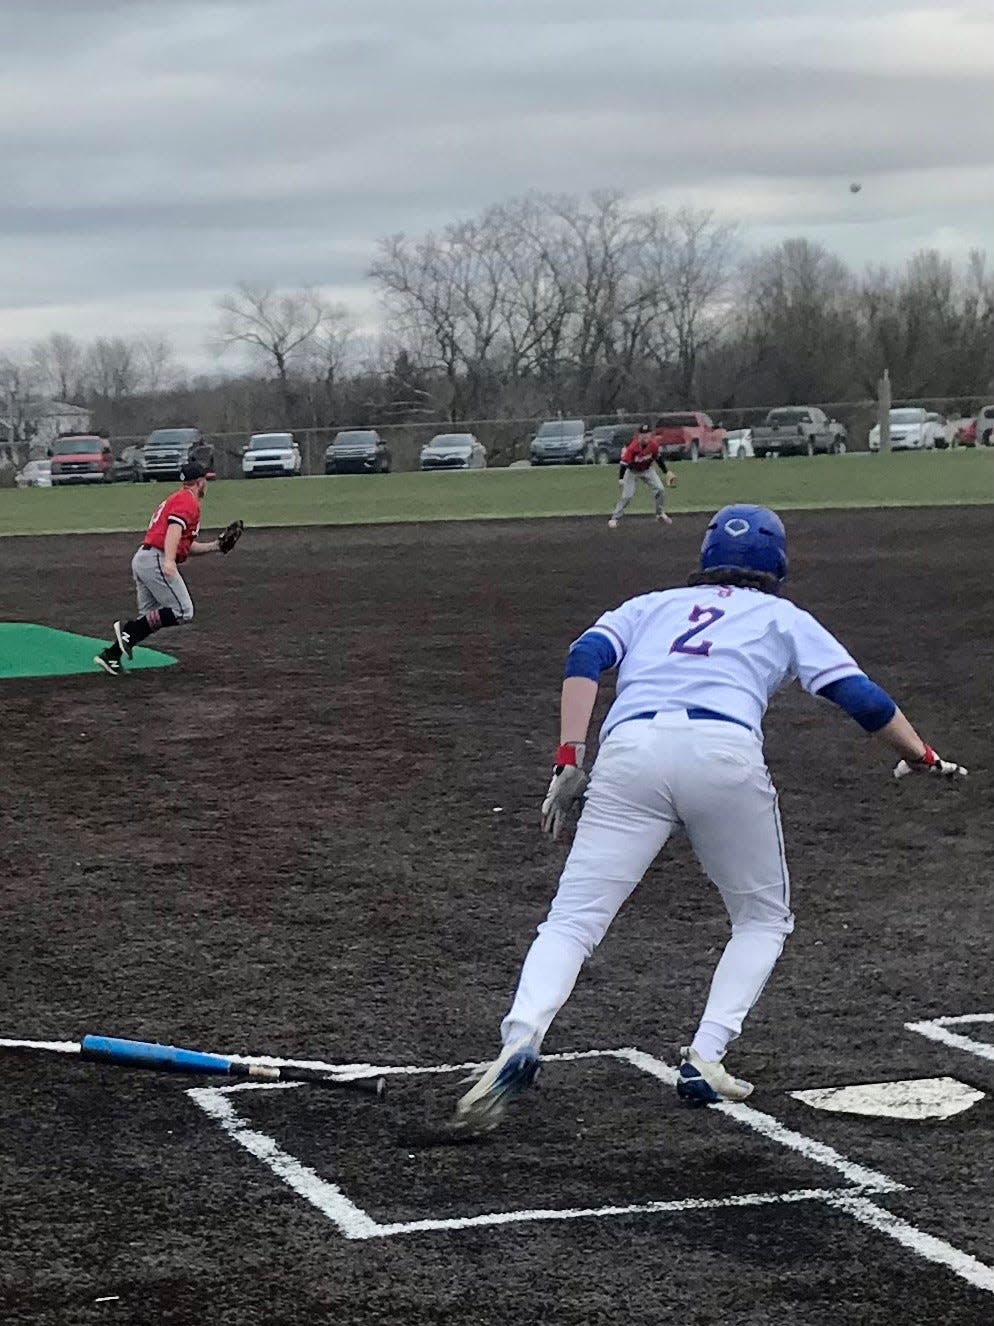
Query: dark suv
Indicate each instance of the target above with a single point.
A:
(357, 451)
(168, 449)
(610, 440)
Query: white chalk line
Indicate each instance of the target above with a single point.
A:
(936, 1029)
(56, 1047)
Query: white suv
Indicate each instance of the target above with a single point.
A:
(272, 454)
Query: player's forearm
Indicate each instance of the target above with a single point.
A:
(901, 737)
(170, 544)
(577, 704)
(199, 549)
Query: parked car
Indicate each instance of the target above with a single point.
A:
(168, 449)
(81, 458)
(799, 430)
(36, 474)
(454, 451)
(689, 436)
(272, 454)
(966, 433)
(738, 444)
(561, 442)
(609, 440)
(985, 426)
(129, 466)
(945, 431)
(911, 429)
(357, 451)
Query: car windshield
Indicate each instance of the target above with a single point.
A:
(355, 438)
(677, 421)
(451, 441)
(78, 446)
(605, 432)
(789, 416)
(172, 437)
(270, 442)
(560, 428)
(907, 416)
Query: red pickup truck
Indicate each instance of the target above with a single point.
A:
(687, 436)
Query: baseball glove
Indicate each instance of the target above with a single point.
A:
(670, 479)
(229, 536)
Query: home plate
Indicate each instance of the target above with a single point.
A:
(923, 1098)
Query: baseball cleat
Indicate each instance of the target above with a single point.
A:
(123, 640)
(485, 1103)
(109, 664)
(706, 1082)
(612, 523)
(663, 518)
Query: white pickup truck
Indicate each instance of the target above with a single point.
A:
(798, 430)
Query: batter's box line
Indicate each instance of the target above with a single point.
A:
(355, 1223)
(937, 1029)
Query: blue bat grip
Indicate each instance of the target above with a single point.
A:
(145, 1054)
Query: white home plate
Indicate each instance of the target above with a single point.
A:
(924, 1098)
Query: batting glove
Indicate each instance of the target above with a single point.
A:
(929, 763)
(568, 785)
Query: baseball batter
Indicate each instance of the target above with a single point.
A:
(163, 598)
(638, 465)
(682, 748)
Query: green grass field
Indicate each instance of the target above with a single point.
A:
(941, 478)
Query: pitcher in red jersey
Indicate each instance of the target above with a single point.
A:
(163, 598)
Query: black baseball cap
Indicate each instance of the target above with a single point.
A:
(192, 469)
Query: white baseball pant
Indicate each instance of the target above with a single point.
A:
(652, 478)
(653, 776)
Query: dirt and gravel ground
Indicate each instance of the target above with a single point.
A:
(290, 845)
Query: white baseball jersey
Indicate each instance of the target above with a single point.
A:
(715, 647)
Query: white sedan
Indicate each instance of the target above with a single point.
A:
(911, 429)
(36, 474)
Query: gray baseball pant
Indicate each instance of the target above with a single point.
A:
(157, 590)
(652, 478)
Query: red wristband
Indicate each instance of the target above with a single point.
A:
(567, 754)
(929, 758)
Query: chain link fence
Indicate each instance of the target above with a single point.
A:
(507, 440)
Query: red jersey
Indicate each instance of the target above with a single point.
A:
(640, 453)
(180, 508)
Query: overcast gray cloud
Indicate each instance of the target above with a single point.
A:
(157, 153)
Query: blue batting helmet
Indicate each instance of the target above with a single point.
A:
(750, 538)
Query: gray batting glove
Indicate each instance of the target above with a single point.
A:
(568, 785)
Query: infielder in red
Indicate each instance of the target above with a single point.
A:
(638, 462)
(163, 598)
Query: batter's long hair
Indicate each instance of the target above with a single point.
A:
(739, 577)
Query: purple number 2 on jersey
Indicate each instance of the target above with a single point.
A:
(704, 617)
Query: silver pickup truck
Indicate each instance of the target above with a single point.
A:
(798, 430)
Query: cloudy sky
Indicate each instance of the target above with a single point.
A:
(156, 152)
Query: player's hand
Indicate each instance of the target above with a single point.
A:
(670, 479)
(568, 785)
(930, 763)
(168, 567)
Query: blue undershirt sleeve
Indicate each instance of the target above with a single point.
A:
(589, 656)
(863, 700)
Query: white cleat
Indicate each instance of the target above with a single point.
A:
(663, 518)
(706, 1082)
(485, 1103)
(612, 523)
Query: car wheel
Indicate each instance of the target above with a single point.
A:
(986, 437)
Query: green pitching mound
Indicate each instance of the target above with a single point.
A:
(27, 650)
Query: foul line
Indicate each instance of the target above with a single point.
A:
(934, 1029)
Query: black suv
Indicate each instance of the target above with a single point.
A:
(610, 440)
(168, 449)
(357, 451)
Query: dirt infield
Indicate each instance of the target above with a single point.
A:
(316, 837)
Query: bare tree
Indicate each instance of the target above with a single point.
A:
(59, 362)
(275, 324)
(156, 365)
(112, 367)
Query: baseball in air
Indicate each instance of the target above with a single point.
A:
(855, 187)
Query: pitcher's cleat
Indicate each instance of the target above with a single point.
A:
(123, 640)
(485, 1103)
(612, 523)
(706, 1082)
(109, 664)
(663, 518)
